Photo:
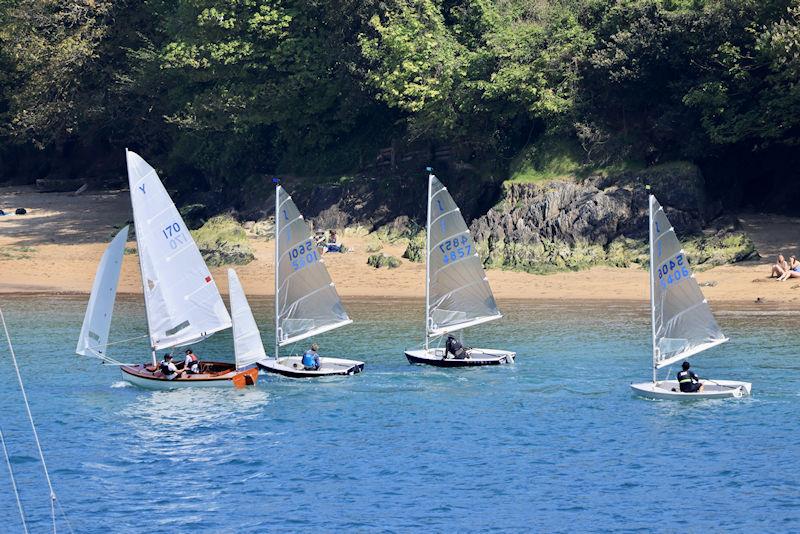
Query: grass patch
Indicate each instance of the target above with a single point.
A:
(223, 241)
(382, 260)
(16, 253)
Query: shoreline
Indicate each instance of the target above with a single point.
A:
(55, 250)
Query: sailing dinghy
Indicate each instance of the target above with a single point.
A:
(682, 322)
(457, 293)
(306, 301)
(182, 303)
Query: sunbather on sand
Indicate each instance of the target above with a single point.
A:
(793, 271)
(779, 268)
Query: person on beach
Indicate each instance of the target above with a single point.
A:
(454, 347)
(793, 271)
(192, 362)
(688, 380)
(168, 368)
(311, 358)
(333, 245)
(779, 268)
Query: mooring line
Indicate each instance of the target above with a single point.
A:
(35, 434)
(14, 483)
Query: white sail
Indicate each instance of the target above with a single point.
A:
(182, 299)
(682, 321)
(97, 321)
(247, 343)
(458, 292)
(306, 300)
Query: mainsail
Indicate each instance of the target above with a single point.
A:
(182, 300)
(306, 300)
(682, 321)
(246, 338)
(458, 293)
(97, 321)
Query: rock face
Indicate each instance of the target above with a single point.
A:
(570, 224)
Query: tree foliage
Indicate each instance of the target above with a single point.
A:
(221, 91)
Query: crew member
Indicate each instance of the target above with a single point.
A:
(168, 368)
(192, 363)
(454, 347)
(688, 380)
(311, 358)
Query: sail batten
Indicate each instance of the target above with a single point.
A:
(306, 299)
(458, 293)
(176, 292)
(97, 321)
(683, 324)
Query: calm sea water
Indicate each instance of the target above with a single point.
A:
(554, 443)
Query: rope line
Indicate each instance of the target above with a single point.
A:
(14, 484)
(33, 427)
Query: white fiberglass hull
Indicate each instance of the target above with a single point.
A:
(477, 357)
(292, 367)
(668, 389)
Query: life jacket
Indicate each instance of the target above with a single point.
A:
(685, 380)
(455, 348)
(308, 359)
(164, 366)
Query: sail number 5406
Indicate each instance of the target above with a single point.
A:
(173, 235)
(672, 271)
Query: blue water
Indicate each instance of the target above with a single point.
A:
(554, 443)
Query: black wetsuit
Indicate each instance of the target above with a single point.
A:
(454, 347)
(688, 381)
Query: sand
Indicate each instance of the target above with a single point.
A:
(55, 248)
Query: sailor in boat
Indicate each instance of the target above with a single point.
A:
(192, 363)
(311, 358)
(688, 380)
(454, 347)
(168, 368)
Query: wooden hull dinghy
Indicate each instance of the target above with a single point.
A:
(682, 322)
(457, 292)
(293, 368)
(182, 302)
(306, 301)
(477, 358)
(717, 389)
(212, 375)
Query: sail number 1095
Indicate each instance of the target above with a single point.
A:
(303, 254)
(673, 271)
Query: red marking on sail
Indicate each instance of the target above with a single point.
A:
(208, 279)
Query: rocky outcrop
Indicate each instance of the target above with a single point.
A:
(571, 224)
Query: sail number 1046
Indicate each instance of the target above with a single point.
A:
(303, 254)
(672, 271)
(174, 236)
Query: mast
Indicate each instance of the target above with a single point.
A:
(428, 259)
(141, 273)
(652, 280)
(277, 261)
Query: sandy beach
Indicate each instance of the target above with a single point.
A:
(55, 248)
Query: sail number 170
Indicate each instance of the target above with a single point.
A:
(672, 271)
(173, 235)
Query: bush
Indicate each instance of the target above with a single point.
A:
(223, 241)
(415, 251)
(382, 260)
